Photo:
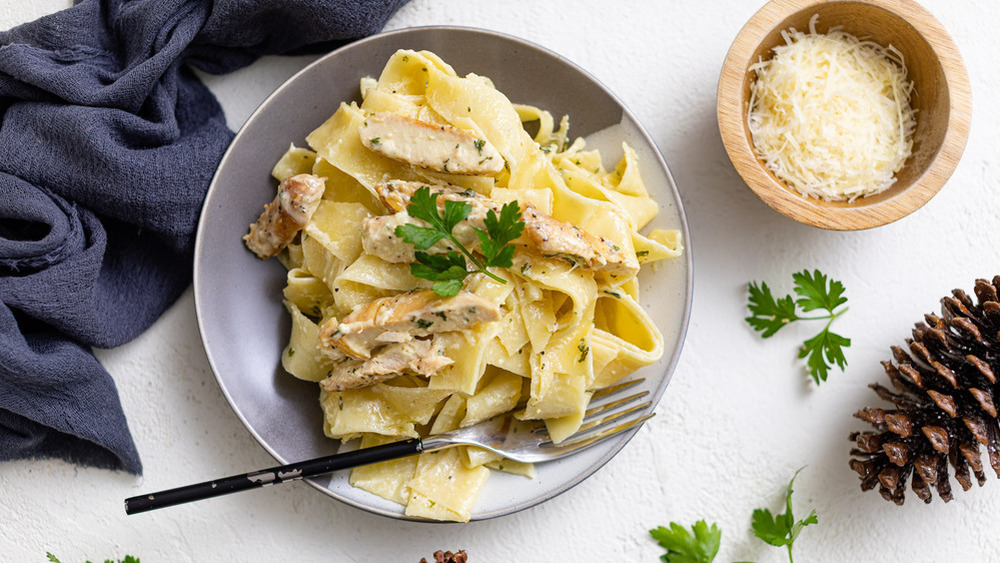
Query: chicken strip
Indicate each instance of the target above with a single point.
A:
(378, 237)
(422, 357)
(297, 199)
(552, 237)
(543, 234)
(442, 148)
(396, 194)
(403, 317)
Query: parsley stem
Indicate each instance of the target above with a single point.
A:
(480, 267)
(831, 316)
(822, 318)
(449, 271)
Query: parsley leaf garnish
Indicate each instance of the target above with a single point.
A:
(128, 559)
(824, 347)
(683, 547)
(769, 314)
(815, 291)
(423, 205)
(500, 231)
(450, 269)
(783, 529)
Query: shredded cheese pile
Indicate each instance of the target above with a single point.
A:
(830, 114)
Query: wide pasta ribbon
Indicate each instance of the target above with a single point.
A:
(108, 141)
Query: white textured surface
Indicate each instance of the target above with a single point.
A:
(735, 423)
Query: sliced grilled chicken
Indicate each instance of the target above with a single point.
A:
(442, 148)
(396, 194)
(297, 199)
(543, 234)
(552, 237)
(422, 357)
(378, 237)
(402, 317)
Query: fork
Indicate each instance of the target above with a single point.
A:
(526, 441)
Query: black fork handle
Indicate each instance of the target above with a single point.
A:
(272, 476)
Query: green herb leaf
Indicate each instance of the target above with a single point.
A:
(769, 314)
(822, 351)
(816, 291)
(783, 529)
(423, 205)
(500, 231)
(439, 267)
(128, 559)
(421, 238)
(448, 288)
(767, 528)
(685, 547)
(455, 212)
(450, 269)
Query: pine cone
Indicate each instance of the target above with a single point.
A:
(448, 557)
(944, 403)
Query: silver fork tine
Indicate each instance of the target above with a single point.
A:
(592, 424)
(594, 411)
(588, 416)
(597, 423)
(570, 446)
(611, 390)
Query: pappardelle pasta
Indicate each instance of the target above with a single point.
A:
(397, 352)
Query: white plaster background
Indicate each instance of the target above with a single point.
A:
(737, 420)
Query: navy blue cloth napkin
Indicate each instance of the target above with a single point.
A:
(108, 142)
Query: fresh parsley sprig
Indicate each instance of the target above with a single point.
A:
(702, 545)
(448, 270)
(769, 315)
(128, 559)
(783, 529)
(682, 546)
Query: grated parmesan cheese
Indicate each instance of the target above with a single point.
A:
(830, 114)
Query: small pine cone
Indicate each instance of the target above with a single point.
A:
(448, 557)
(943, 395)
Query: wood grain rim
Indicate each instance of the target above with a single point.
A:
(860, 214)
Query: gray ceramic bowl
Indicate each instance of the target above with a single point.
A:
(243, 325)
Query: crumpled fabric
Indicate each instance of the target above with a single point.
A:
(108, 141)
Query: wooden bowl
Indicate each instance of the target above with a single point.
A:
(942, 99)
